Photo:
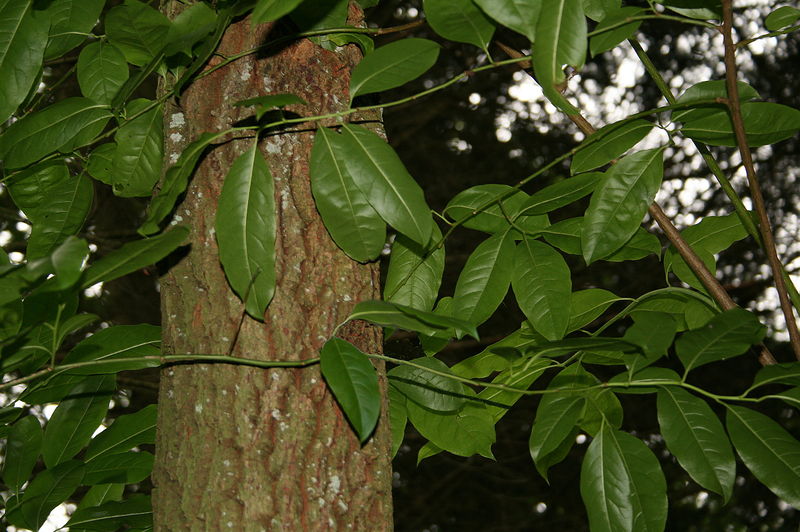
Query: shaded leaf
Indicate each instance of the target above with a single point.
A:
(269, 10)
(425, 268)
(102, 70)
(727, 335)
(135, 512)
(519, 15)
(138, 30)
(764, 123)
(433, 391)
(587, 305)
(398, 416)
(121, 468)
(609, 33)
(50, 488)
(100, 160)
(21, 452)
(116, 343)
(460, 21)
(63, 215)
(124, 434)
(560, 194)
(192, 25)
(608, 143)
(393, 65)
(68, 20)
(788, 373)
(388, 314)
(136, 165)
(782, 17)
(466, 432)
(470, 207)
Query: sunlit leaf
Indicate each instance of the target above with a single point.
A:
(466, 432)
(116, 343)
(62, 216)
(587, 305)
(399, 316)
(398, 416)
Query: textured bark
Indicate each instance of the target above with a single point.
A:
(248, 449)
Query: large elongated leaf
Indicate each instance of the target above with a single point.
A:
(771, 453)
(459, 20)
(727, 335)
(124, 434)
(389, 314)
(483, 283)
(116, 343)
(469, 207)
(788, 373)
(542, 285)
(619, 203)
(611, 31)
(64, 126)
(22, 450)
(133, 256)
(622, 485)
(587, 305)
(102, 70)
(77, 417)
(61, 216)
(68, 20)
(561, 193)
(50, 488)
(136, 165)
(433, 391)
(120, 468)
(782, 17)
(560, 40)
(246, 231)
(269, 10)
(608, 143)
(764, 123)
(398, 417)
(354, 383)
(414, 273)
(519, 15)
(393, 65)
(695, 436)
(348, 216)
(138, 30)
(464, 433)
(23, 36)
(135, 512)
(387, 185)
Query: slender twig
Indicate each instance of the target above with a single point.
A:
(768, 238)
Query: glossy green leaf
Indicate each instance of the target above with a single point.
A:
(385, 182)
(653, 333)
(99, 165)
(102, 70)
(697, 9)
(565, 235)
(498, 356)
(175, 182)
(485, 278)
(689, 308)
(138, 30)
(542, 285)
(771, 453)
(727, 335)
(788, 373)
(50, 488)
(388, 314)
(470, 207)
(560, 40)
(122, 468)
(269, 10)
(348, 216)
(393, 65)
(466, 432)
(610, 32)
(136, 166)
(434, 391)
(622, 485)
(67, 261)
(245, 230)
(764, 123)
(353, 381)
(192, 25)
(133, 256)
(124, 434)
(695, 436)
(23, 36)
(782, 17)
(116, 343)
(134, 512)
(640, 245)
(587, 305)
(520, 376)
(598, 9)
(63, 126)
(560, 194)
(519, 15)
(101, 493)
(62, 216)
(608, 143)
(21, 452)
(414, 274)
(602, 409)
(398, 416)
(619, 203)
(705, 91)
(459, 20)
(68, 20)
(30, 188)
(77, 417)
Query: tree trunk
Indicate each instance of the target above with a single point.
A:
(249, 449)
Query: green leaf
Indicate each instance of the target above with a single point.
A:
(430, 390)
(565, 235)
(587, 305)
(771, 453)
(689, 309)
(364, 42)
(652, 374)
(68, 20)
(138, 30)
(66, 125)
(542, 285)
(353, 381)
(485, 278)
(560, 194)
(598, 9)
(519, 15)
(175, 182)
(560, 40)
(50, 488)
(653, 332)
(133, 256)
(116, 343)
(608, 143)
(77, 417)
(609, 33)
(135, 512)
(388, 314)
(764, 123)
(100, 160)
(245, 231)
(102, 70)
(622, 485)
(640, 245)
(695, 436)
(267, 103)
(788, 373)
(21, 452)
(136, 166)
(698, 9)
(385, 182)
(68, 260)
(122, 468)
(192, 25)
(520, 376)
(782, 17)
(393, 65)
(705, 91)
(124, 434)
(398, 416)
(460, 21)
(101, 493)
(23, 36)
(790, 397)
(348, 216)
(602, 409)
(269, 10)
(619, 203)
(464, 433)
(727, 335)
(466, 207)
(425, 267)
